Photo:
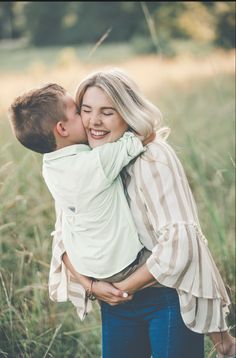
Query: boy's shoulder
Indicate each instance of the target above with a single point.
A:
(67, 151)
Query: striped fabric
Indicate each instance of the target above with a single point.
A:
(166, 218)
(62, 285)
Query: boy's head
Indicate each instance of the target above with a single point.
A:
(46, 119)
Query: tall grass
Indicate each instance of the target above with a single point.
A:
(200, 112)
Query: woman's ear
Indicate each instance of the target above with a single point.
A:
(61, 129)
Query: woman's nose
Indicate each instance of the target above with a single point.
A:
(95, 119)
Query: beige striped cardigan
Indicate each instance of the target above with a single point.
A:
(166, 218)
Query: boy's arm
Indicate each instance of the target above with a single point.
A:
(115, 156)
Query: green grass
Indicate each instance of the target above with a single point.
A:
(18, 59)
(201, 116)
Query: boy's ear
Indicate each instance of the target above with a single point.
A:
(61, 129)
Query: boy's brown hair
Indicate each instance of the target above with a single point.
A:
(34, 114)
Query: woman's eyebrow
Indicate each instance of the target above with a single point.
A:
(102, 108)
(108, 108)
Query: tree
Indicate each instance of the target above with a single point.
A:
(93, 19)
(74, 23)
(8, 28)
(225, 28)
(44, 22)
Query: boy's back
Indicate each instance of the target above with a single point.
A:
(98, 231)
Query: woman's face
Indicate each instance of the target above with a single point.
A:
(101, 121)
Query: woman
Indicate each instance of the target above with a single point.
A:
(178, 294)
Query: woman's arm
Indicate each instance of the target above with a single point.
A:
(140, 279)
(103, 291)
(164, 208)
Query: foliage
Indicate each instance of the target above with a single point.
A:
(94, 19)
(44, 21)
(67, 22)
(225, 24)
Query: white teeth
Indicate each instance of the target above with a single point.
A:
(98, 133)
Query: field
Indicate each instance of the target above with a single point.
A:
(196, 95)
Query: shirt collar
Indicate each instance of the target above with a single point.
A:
(68, 150)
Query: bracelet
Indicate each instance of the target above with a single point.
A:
(89, 291)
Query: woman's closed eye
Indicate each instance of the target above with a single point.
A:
(85, 111)
(108, 113)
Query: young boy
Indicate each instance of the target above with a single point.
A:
(84, 183)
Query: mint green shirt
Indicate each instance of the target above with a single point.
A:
(98, 232)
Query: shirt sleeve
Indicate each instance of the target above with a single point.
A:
(115, 156)
(180, 257)
(62, 285)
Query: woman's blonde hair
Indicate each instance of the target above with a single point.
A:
(141, 115)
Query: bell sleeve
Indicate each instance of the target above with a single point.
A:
(180, 257)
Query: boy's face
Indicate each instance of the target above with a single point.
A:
(74, 125)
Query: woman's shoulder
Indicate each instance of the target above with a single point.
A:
(159, 151)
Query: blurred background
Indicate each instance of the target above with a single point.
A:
(182, 55)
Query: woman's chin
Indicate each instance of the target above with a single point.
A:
(93, 143)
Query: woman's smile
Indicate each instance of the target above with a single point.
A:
(97, 134)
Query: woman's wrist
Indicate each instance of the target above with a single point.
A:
(138, 280)
(124, 286)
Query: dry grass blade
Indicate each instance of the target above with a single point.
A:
(52, 340)
(3, 354)
(99, 42)
(151, 25)
(83, 329)
(5, 291)
(7, 226)
(232, 160)
(8, 304)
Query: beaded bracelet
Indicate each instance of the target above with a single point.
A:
(89, 291)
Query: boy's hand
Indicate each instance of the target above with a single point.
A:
(149, 139)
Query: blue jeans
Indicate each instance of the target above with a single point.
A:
(149, 325)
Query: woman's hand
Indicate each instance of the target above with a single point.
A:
(149, 139)
(106, 292)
